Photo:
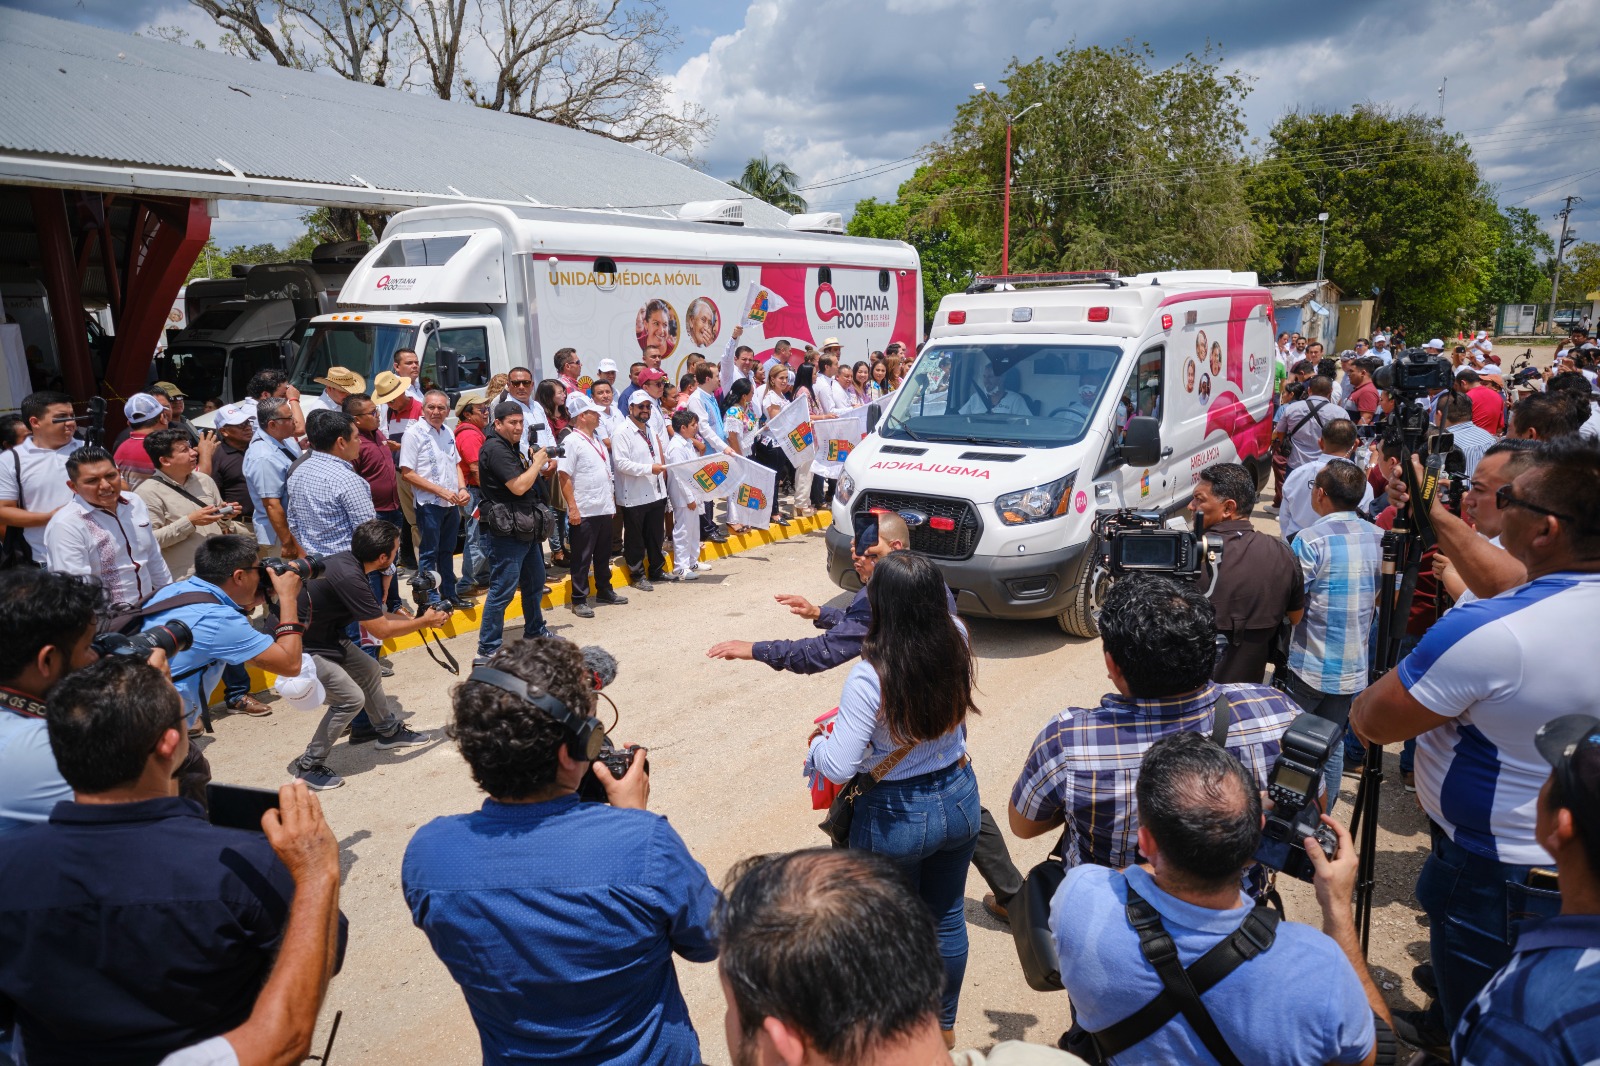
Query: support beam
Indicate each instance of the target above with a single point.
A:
(166, 246)
(61, 287)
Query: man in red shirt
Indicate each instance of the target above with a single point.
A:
(1362, 403)
(145, 415)
(1488, 406)
(472, 415)
(375, 464)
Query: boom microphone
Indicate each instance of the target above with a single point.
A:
(601, 663)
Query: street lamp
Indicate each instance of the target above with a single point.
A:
(1322, 249)
(1005, 235)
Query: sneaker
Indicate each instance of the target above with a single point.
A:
(402, 738)
(582, 610)
(702, 567)
(686, 575)
(611, 599)
(665, 575)
(1409, 780)
(385, 669)
(363, 736)
(318, 778)
(643, 584)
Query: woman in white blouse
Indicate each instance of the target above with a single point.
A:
(769, 403)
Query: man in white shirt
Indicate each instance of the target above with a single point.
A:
(602, 393)
(337, 383)
(429, 464)
(1380, 349)
(590, 497)
(105, 533)
(1301, 422)
(1471, 438)
(994, 398)
(33, 475)
(401, 411)
(641, 493)
(1338, 442)
(830, 397)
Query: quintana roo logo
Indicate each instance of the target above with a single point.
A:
(751, 497)
(829, 310)
(711, 475)
(802, 436)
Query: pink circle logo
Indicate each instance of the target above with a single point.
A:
(1080, 502)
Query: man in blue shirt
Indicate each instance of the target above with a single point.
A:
(47, 621)
(225, 568)
(1199, 823)
(129, 926)
(1540, 1007)
(266, 471)
(558, 917)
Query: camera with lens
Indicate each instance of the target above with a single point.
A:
(424, 583)
(1138, 542)
(555, 451)
(1414, 372)
(617, 760)
(309, 569)
(171, 637)
(1304, 751)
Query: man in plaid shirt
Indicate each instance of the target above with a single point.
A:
(1160, 647)
(1341, 559)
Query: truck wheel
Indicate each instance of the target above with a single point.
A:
(1078, 619)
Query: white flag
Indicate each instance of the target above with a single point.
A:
(709, 477)
(836, 438)
(750, 501)
(791, 428)
(759, 302)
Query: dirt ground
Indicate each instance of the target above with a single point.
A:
(726, 743)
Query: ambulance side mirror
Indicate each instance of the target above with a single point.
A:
(1141, 441)
(874, 414)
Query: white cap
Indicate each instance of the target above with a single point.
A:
(1482, 333)
(1490, 369)
(234, 414)
(578, 403)
(303, 693)
(607, 366)
(1378, 338)
(141, 407)
(1436, 344)
(1463, 369)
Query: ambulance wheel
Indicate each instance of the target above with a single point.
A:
(1078, 619)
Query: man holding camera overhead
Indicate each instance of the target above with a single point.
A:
(352, 678)
(228, 582)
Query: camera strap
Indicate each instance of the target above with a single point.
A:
(1221, 718)
(1182, 988)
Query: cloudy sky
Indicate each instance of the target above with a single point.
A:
(845, 91)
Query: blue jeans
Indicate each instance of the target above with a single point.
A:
(397, 519)
(514, 566)
(1335, 707)
(474, 552)
(235, 682)
(438, 527)
(928, 827)
(1474, 906)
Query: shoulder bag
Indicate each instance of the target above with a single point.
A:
(1030, 907)
(14, 549)
(842, 811)
(503, 520)
(229, 526)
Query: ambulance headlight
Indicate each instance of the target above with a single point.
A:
(1038, 504)
(845, 489)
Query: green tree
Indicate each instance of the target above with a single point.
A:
(772, 182)
(1517, 275)
(1410, 217)
(1580, 273)
(950, 253)
(1122, 165)
(215, 262)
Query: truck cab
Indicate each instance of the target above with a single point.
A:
(365, 341)
(1040, 400)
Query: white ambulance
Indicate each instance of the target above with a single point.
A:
(502, 287)
(1040, 400)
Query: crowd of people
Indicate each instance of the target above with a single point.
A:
(183, 942)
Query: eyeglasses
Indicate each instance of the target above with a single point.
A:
(1504, 498)
(63, 419)
(522, 384)
(280, 418)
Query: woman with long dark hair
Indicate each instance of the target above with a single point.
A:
(551, 396)
(905, 704)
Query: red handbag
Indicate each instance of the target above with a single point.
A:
(822, 790)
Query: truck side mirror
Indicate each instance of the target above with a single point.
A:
(450, 370)
(288, 342)
(1141, 441)
(874, 414)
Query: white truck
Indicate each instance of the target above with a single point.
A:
(1040, 400)
(500, 287)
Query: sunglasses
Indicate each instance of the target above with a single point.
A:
(1503, 498)
(521, 384)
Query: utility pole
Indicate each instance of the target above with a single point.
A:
(1442, 84)
(1561, 247)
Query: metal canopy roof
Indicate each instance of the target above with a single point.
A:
(87, 108)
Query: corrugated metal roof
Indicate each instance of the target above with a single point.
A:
(77, 93)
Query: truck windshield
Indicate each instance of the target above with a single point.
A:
(1033, 395)
(363, 347)
(212, 372)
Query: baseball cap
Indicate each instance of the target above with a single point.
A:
(234, 414)
(650, 374)
(578, 403)
(1376, 337)
(171, 390)
(1436, 344)
(142, 407)
(464, 399)
(607, 366)
(1571, 745)
(1490, 369)
(640, 396)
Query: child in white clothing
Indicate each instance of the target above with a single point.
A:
(685, 511)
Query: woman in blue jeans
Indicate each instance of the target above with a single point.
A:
(905, 706)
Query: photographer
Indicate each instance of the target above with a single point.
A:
(227, 582)
(511, 493)
(1471, 562)
(1257, 584)
(353, 679)
(558, 918)
(1474, 693)
(1160, 642)
(1200, 822)
(47, 622)
(129, 926)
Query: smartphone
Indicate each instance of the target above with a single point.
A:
(239, 806)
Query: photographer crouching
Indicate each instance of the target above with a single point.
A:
(557, 917)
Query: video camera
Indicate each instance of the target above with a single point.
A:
(171, 637)
(310, 568)
(602, 671)
(1304, 751)
(1139, 542)
(1414, 372)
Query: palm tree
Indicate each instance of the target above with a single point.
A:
(771, 182)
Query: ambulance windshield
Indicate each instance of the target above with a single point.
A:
(1034, 395)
